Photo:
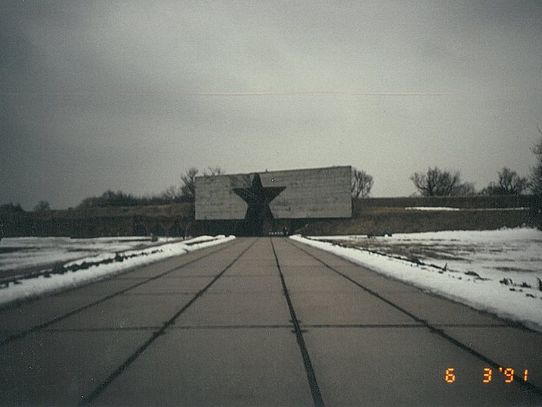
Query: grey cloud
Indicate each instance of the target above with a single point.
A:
(126, 95)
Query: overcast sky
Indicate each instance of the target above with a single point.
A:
(98, 95)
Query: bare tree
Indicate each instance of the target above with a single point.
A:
(464, 189)
(188, 180)
(361, 183)
(437, 182)
(42, 206)
(509, 183)
(212, 171)
(172, 193)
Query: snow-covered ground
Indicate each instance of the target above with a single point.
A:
(23, 252)
(103, 262)
(430, 208)
(495, 271)
(447, 208)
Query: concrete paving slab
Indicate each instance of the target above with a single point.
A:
(145, 273)
(208, 266)
(40, 311)
(347, 308)
(234, 344)
(290, 256)
(259, 255)
(329, 258)
(241, 367)
(259, 260)
(253, 284)
(160, 267)
(127, 311)
(57, 368)
(100, 288)
(437, 310)
(364, 276)
(192, 272)
(237, 308)
(182, 276)
(401, 366)
(510, 347)
(253, 270)
(296, 260)
(320, 282)
(308, 268)
(184, 263)
(421, 304)
(376, 282)
(172, 285)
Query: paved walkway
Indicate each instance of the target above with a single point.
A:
(260, 322)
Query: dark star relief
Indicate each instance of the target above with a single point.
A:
(258, 199)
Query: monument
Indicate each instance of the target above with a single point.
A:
(260, 203)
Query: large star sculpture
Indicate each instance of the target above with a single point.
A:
(258, 199)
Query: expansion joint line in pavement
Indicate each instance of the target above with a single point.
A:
(311, 376)
(519, 380)
(44, 325)
(118, 371)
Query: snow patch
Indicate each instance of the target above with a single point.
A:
(446, 208)
(17, 253)
(430, 208)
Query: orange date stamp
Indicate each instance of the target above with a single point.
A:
(487, 375)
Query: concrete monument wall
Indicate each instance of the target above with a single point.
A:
(308, 193)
